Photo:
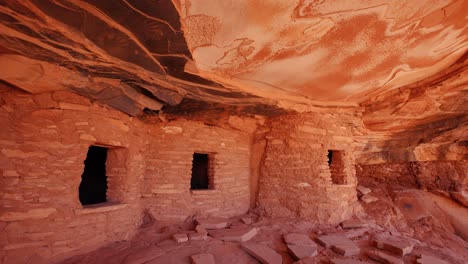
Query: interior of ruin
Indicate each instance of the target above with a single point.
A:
(247, 131)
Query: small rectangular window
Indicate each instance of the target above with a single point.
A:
(336, 165)
(200, 172)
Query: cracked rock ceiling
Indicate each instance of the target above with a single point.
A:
(256, 56)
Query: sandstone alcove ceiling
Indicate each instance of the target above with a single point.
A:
(135, 55)
(323, 50)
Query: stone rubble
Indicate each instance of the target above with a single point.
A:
(234, 234)
(262, 253)
(367, 198)
(180, 238)
(203, 259)
(383, 257)
(394, 245)
(340, 244)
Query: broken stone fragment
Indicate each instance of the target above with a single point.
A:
(200, 229)
(202, 259)
(348, 261)
(353, 223)
(306, 261)
(384, 257)
(340, 244)
(369, 198)
(234, 234)
(395, 245)
(247, 220)
(262, 253)
(198, 236)
(298, 239)
(180, 238)
(213, 223)
(302, 251)
(425, 259)
(363, 190)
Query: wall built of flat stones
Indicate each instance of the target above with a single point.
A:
(43, 143)
(295, 175)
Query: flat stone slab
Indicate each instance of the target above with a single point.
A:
(367, 198)
(395, 245)
(180, 238)
(425, 259)
(348, 261)
(198, 236)
(143, 255)
(384, 258)
(213, 223)
(353, 223)
(298, 239)
(202, 259)
(200, 229)
(340, 244)
(363, 190)
(307, 261)
(302, 251)
(262, 253)
(234, 234)
(247, 220)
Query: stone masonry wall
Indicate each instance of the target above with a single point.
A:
(295, 175)
(166, 190)
(43, 143)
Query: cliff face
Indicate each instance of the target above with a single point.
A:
(420, 122)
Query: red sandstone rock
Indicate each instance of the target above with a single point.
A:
(348, 261)
(200, 229)
(425, 259)
(398, 246)
(198, 236)
(247, 220)
(363, 190)
(369, 198)
(180, 238)
(202, 259)
(461, 197)
(384, 257)
(262, 253)
(340, 244)
(302, 251)
(353, 223)
(298, 239)
(306, 261)
(235, 234)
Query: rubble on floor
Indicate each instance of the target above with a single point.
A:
(202, 259)
(271, 241)
(262, 253)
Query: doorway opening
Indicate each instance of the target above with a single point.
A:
(336, 165)
(93, 186)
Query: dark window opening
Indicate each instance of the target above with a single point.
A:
(330, 157)
(93, 186)
(336, 165)
(200, 169)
